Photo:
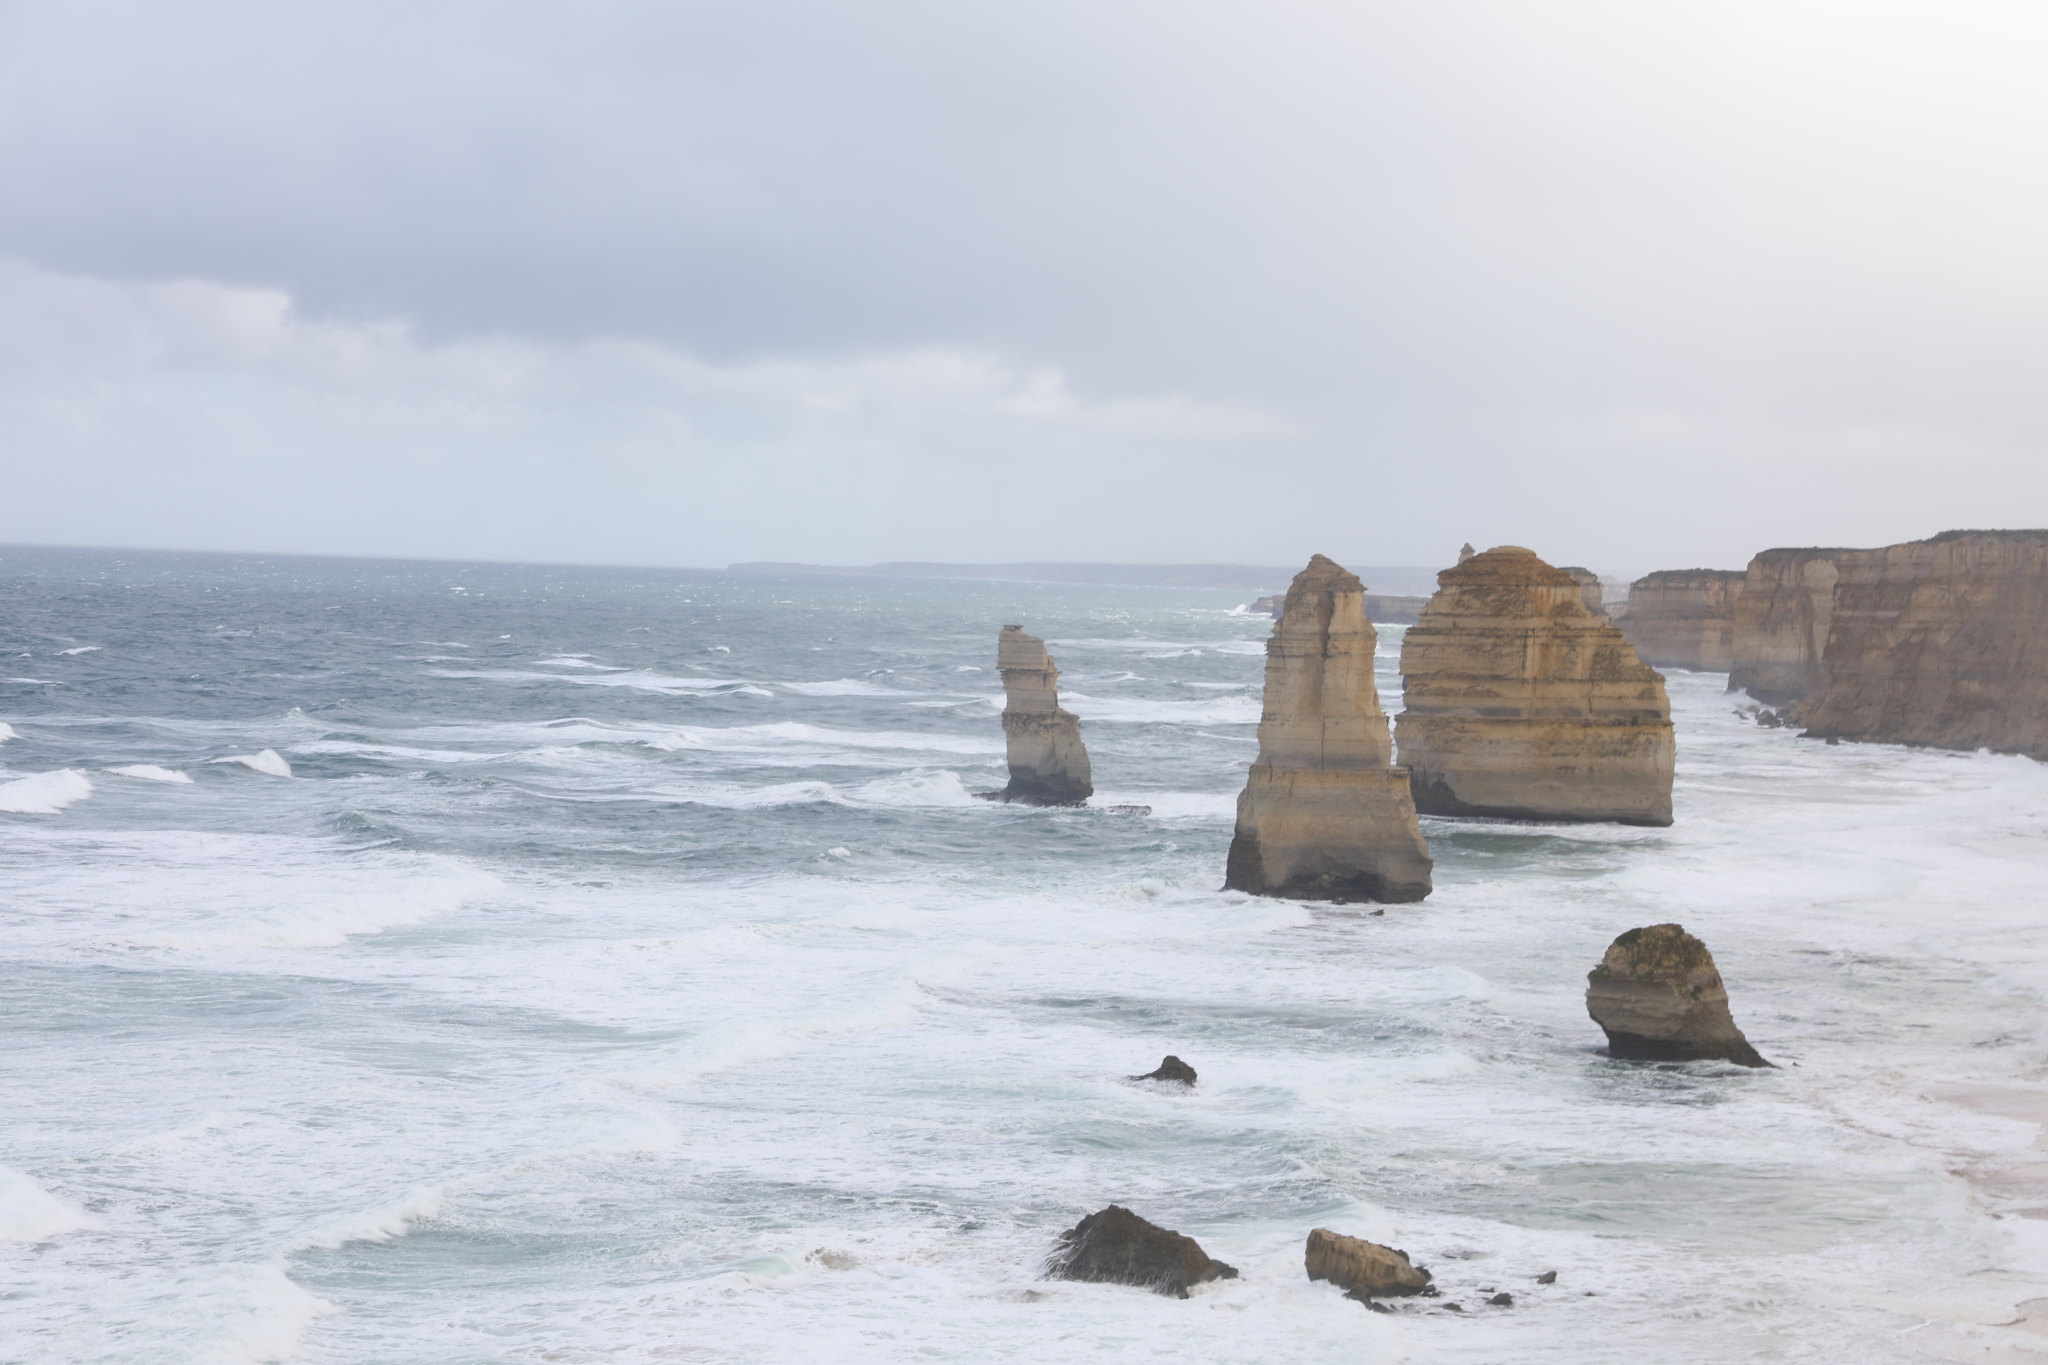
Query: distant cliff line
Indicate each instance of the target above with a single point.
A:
(1394, 579)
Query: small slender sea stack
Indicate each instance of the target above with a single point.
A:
(1324, 814)
(1048, 762)
(1522, 703)
(1659, 997)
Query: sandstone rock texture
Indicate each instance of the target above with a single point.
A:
(1523, 704)
(1782, 616)
(1941, 642)
(1116, 1246)
(1684, 618)
(1590, 591)
(1659, 997)
(1048, 762)
(1363, 1269)
(1324, 814)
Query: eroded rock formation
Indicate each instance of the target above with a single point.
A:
(1048, 762)
(1172, 1069)
(1363, 1269)
(1324, 814)
(1782, 617)
(1590, 592)
(1116, 1246)
(1684, 618)
(1659, 997)
(1523, 704)
(1942, 642)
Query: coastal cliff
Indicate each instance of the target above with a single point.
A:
(1521, 703)
(1684, 618)
(1941, 642)
(1048, 762)
(1324, 815)
(1782, 616)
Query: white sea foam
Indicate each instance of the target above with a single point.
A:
(641, 680)
(307, 903)
(840, 687)
(36, 682)
(7, 732)
(30, 1213)
(580, 661)
(150, 772)
(44, 793)
(373, 1225)
(267, 762)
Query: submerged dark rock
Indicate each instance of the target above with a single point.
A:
(1116, 1246)
(1172, 1069)
(1502, 1300)
(1659, 997)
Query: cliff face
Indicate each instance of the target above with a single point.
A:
(1324, 815)
(1684, 618)
(1048, 762)
(1942, 642)
(1521, 703)
(1590, 591)
(1781, 623)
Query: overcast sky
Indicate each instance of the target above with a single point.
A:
(1637, 284)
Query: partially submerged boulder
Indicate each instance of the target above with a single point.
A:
(1362, 1269)
(1659, 996)
(1171, 1069)
(1116, 1246)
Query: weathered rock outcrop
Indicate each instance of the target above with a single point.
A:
(1521, 703)
(1048, 762)
(1363, 1269)
(1659, 997)
(1116, 1246)
(1942, 642)
(1324, 814)
(1684, 618)
(1590, 591)
(1466, 551)
(1172, 1069)
(1782, 617)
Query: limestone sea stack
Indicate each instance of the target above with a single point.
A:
(1116, 1246)
(1048, 762)
(1941, 642)
(1590, 592)
(1523, 704)
(1659, 997)
(1684, 618)
(1782, 617)
(1324, 814)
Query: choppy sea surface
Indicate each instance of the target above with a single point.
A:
(429, 963)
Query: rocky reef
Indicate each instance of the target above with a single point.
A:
(1364, 1270)
(1116, 1246)
(1659, 997)
(1048, 762)
(1324, 814)
(1782, 617)
(1941, 642)
(1521, 703)
(1684, 618)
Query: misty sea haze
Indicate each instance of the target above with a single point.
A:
(426, 964)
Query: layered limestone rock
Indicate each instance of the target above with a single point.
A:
(1659, 997)
(1466, 551)
(1116, 1246)
(1324, 814)
(1684, 618)
(1942, 642)
(1782, 617)
(1048, 762)
(1590, 591)
(1523, 704)
(1362, 1269)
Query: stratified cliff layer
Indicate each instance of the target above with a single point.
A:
(1324, 815)
(1942, 642)
(1521, 703)
(1781, 623)
(1684, 618)
(1048, 762)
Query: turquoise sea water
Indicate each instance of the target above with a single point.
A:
(624, 972)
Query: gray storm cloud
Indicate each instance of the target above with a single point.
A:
(1639, 285)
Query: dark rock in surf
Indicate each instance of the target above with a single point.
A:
(1172, 1069)
(1116, 1246)
(1547, 1277)
(1659, 997)
(1502, 1300)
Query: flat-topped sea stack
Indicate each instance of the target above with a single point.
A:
(1658, 996)
(1782, 617)
(1048, 762)
(1523, 704)
(1324, 814)
(1684, 618)
(1940, 642)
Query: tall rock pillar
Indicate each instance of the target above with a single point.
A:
(1324, 814)
(1522, 703)
(1048, 762)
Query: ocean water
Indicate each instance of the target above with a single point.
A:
(430, 963)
